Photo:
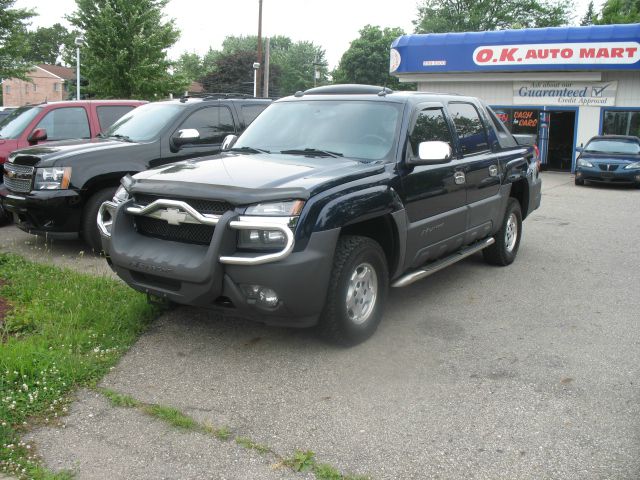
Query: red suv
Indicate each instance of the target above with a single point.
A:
(32, 124)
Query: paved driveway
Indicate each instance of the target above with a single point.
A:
(478, 372)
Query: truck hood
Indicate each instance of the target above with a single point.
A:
(251, 173)
(65, 153)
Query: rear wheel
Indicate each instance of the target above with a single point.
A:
(357, 291)
(507, 240)
(90, 231)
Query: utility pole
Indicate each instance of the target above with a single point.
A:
(267, 53)
(259, 59)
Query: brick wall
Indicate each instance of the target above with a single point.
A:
(42, 87)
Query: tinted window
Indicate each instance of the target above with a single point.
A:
(251, 112)
(431, 125)
(65, 123)
(213, 124)
(504, 137)
(621, 123)
(469, 127)
(107, 115)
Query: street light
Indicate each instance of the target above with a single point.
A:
(256, 67)
(79, 41)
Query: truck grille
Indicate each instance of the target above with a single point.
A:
(195, 233)
(18, 178)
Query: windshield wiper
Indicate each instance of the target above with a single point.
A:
(312, 152)
(124, 138)
(249, 149)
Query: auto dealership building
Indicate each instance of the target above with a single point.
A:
(564, 85)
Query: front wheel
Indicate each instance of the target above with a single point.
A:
(357, 291)
(507, 241)
(90, 231)
(578, 181)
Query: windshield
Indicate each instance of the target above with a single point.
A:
(13, 125)
(357, 129)
(613, 146)
(143, 123)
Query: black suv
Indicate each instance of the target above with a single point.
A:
(56, 189)
(328, 198)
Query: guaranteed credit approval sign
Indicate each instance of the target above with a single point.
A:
(601, 53)
(577, 94)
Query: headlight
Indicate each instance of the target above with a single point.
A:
(289, 208)
(53, 178)
(121, 195)
(262, 239)
(633, 165)
(584, 163)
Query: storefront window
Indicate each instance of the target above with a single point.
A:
(621, 123)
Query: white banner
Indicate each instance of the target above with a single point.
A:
(576, 94)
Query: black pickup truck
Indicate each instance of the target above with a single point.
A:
(326, 200)
(55, 189)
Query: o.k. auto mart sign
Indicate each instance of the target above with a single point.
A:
(568, 93)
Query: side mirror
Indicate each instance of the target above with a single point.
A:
(185, 136)
(432, 153)
(579, 149)
(228, 142)
(38, 135)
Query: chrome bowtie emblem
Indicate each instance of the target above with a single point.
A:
(173, 216)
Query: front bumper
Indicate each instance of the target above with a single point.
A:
(213, 275)
(53, 213)
(621, 175)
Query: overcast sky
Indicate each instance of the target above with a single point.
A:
(331, 24)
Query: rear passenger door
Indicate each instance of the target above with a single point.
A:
(108, 114)
(213, 123)
(481, 168)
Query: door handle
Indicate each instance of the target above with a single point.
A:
(459, 178)
(493, 171)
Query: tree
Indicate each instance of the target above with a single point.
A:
(589, 17)
(442, 16)
(13, 47)
(367, 59)
(126, 41)
(47, 44)
(619, 11)
(299, 63)
(190, 66)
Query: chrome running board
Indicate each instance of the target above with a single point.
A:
(431, 268)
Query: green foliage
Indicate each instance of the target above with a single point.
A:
(13, 46)
(251, 445)
(172, 416)
(367, 59)
(302, 461)
(442, 16)
(126, 42)
(190, 66)
(64, 330)
(589, 16)
(46, 44)
(619, 11)
(119, 399)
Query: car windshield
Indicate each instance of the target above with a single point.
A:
(613, 146)
(13, 125)
(143, 123)
(364, 130)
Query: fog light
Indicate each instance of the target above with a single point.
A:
(578, 174)
(261, 295)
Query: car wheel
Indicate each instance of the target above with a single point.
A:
(357, 291)
(579, 181)
(507, 240)
(5, 218)
(90, 231)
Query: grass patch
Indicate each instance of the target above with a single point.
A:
(119, 399)
(251, 445)
(172, 416)
(63, 330)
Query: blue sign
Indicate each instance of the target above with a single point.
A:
(602, 47)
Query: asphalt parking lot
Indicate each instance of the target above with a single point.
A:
(524, 372)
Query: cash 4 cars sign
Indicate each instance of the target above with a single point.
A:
(565, 93)
(558, 53)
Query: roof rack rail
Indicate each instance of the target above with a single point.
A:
(213, 96)
(347, 89)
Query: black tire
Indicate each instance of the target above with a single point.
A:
(579, 181)
(503, 252)
(342, 323)
(90, 231)
(5, 218)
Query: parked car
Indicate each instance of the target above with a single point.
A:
(609, 159)
(56, 189)
(35, 124)
(329, 197)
